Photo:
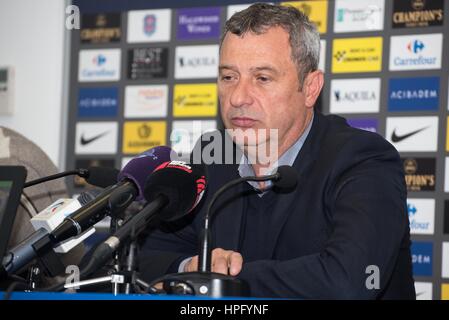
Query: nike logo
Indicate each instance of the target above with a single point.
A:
(85, 141)
(397, 138)
(420, 293)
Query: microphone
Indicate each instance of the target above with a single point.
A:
(285, 178)
(97, 176)
(44, 223)
(52, 216)
(115, 198)
(147, 161)
(207, 283)
(173, 190)
(182, 184)
(102, 177)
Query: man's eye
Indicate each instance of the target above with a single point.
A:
(226, 78)
(263, 79)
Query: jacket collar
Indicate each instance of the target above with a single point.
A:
(227, 225)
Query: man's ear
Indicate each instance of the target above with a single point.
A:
(313, 83)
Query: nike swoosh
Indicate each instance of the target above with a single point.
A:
(85, 141)
(396, 138)
(420, 293)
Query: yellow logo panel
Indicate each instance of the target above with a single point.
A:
(447, 134)
(195, 100)
(445, 291)
(139, 136)
(315, 10)
(357, 55)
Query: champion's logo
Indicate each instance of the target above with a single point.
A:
(415, 46)
(418, 4)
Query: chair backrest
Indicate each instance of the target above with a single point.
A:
(15, 149)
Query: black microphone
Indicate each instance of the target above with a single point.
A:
(24, 252)
(285, 178)
(173, 190)
(102, 177)
(97, 176)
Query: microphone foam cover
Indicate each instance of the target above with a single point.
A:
(102, 177)
(140, 167)
(288, 178)
(182, 184)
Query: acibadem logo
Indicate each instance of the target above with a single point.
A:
(357, 55)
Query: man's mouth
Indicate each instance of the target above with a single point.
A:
(243, 122)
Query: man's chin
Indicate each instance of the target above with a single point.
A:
(245, 143)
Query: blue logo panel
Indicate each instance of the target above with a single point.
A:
(98, 102)
(414, 94)
(422, 257)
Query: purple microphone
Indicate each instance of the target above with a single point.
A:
(130, 186)
(139, 168)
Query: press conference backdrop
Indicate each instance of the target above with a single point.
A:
(144, 72)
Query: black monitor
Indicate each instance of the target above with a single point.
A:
(12, 179)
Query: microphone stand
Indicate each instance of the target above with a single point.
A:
(128, 275)
(118, 203)
(205, 282)
(84, 173)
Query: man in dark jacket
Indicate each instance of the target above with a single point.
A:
(343, 232)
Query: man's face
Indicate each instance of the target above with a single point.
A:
(258, 85)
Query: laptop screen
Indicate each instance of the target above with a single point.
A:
(5, 188)
(12, 179)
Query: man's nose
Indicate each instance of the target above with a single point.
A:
(241, 96)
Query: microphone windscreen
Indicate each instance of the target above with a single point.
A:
(288, 178)
(181, 183)
(102, 177)
(139, 168)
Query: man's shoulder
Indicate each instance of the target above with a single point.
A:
(344, 147)
(339, 133)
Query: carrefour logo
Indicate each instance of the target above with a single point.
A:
(99, 65)
(99, 60)
(416, 52)
(414, 223)
(415, 46)
(411, 210)
(421, 213)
